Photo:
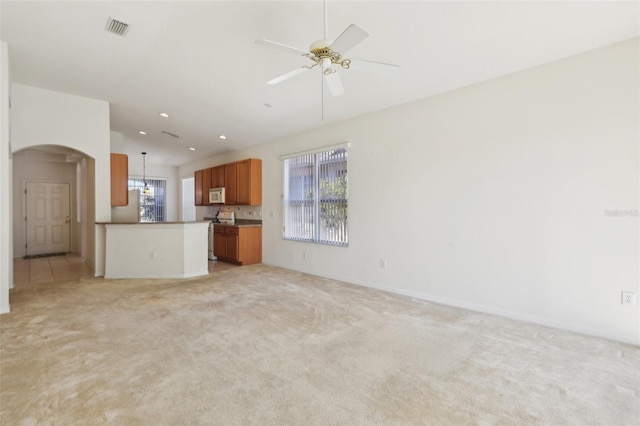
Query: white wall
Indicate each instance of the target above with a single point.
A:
(504, 189)
(45, 117)
(153, 250)
(116, 140)
(6, 250)
(188, 211)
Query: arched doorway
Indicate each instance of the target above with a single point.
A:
(56, 175)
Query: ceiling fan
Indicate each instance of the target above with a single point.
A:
(327, 53)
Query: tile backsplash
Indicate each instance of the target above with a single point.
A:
(242, 212)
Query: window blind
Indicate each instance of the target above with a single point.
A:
(153, 204)
(315, 197)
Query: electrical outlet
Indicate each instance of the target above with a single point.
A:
(383, 264)
(628, 298)
(304, 254)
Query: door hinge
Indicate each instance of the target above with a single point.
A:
(25, 191)
(25, 218)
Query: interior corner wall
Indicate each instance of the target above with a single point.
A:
(116, 142)
(6, 249)
(94, 234)
(72, 121)
(517, 196)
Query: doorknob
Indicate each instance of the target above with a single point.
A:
(66, 219)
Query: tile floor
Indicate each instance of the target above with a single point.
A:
(49, 269)
(69, 267)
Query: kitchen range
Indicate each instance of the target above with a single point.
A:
(234, 240)
(225, 218)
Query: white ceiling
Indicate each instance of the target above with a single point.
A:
(198, 61)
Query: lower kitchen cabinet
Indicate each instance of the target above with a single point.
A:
(241, 245)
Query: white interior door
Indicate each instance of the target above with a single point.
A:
(47, 219)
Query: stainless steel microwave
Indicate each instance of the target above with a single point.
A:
(216, 196)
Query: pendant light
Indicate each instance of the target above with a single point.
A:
(144, 173)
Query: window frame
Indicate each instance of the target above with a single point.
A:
(138, 183)
(317, 211)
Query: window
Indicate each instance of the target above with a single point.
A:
(315, 197)
(152, 205)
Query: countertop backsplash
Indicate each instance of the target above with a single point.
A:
(242, 212)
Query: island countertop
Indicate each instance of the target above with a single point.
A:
(153, 223)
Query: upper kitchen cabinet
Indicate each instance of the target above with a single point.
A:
(119, 180)
(230, 176)
(217, 177)
(241, 180)
(206, 185)
(198, 187)
(249, 182)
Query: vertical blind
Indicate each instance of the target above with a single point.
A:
(315, 197)
(152, 205)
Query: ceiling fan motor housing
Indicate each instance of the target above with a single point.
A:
(321, 50)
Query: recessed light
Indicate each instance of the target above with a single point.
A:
(223, 137)
(142, 132)
(164, 114)
(192, 149)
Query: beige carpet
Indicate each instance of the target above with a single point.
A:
(263, 345)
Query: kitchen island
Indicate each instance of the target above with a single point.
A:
(155, 250)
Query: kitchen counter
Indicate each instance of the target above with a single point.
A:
(240, 223)
(155, 249)
(152, 223)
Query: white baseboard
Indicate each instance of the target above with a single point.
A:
(481, 308)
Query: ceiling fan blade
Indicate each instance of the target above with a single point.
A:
(348, 39)
(335, 84)
(372, 67)
(284, 47)
(289, 75)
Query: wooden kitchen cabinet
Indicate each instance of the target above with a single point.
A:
(217, 177)
(198, 187)
(119, 180)
(230, 175)
(232, 252)
(219, 242)
(241, 245)
(242, 181)
(206, 185)
(249, 182)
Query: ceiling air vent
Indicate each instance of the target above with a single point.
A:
(170, 134)
(117, 27)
